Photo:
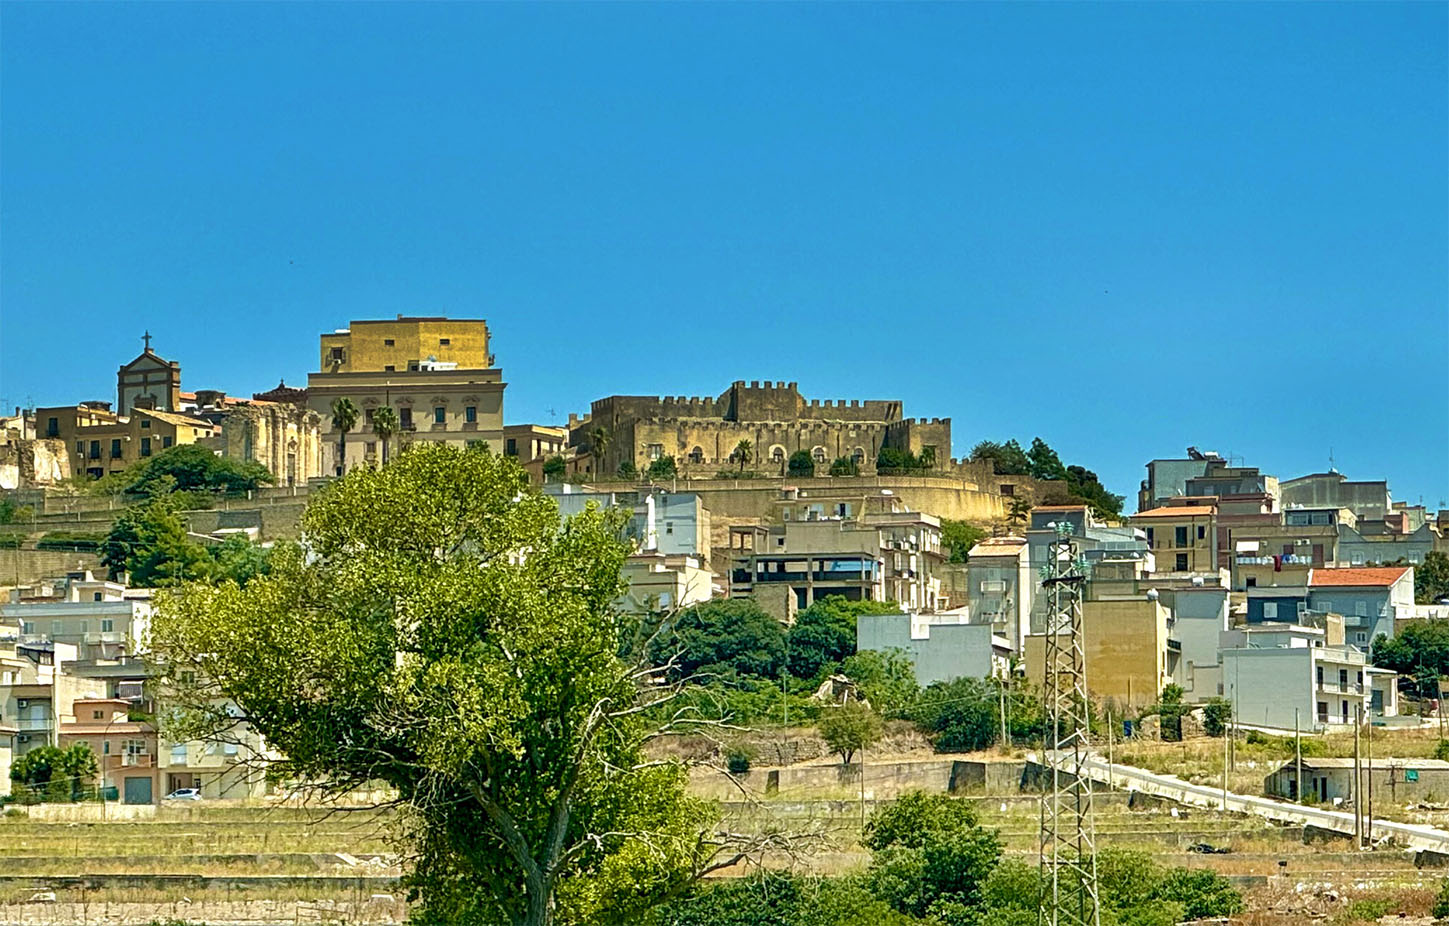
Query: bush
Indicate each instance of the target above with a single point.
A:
(663, 468)
(801, 464)
(1441, 903)
(1441, 749)
(1215, 715)
(844, 466)
(554, 468)
(71, 541)
(11, 540)
(929, 853)
(739, 758)
(1201, 892)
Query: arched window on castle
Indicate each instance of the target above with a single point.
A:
(696, 455)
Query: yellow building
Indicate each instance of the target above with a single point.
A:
(100, 442)
(1182, 538)
(1129, 658)
(436, 374)
(405, 343)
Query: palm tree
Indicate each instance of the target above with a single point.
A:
(1020, 508)
(599, 447)
(384, 425)
(344, 419)
(742, 452)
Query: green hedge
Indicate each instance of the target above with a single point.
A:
(11, 540)
(71, 541)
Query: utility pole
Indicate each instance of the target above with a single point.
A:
(1227, 738)
(1369, 789)
(1005, 732)
(1110, 783)
(1298, 755)
(1357, 782)
(1068, 853)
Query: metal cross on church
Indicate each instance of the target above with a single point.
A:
(147, 339)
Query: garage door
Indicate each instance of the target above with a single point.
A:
(138, 790)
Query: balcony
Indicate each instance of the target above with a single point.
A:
(33, 725)
(1335, 687)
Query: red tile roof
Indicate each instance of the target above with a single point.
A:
(1357, 577)
(1177, 511)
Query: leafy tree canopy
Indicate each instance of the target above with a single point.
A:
(850, 727)
(1431, 578)
(801, 464)
(1420, 650)
(57, 774)
(824, 634)
(844, 466)
(886, 679)
(929, 852)
(728, 638)
(663, 468)
(964, 714)
(445, 633)
(1078, 484)
(192, 468)
(959, 537)
(149, 541)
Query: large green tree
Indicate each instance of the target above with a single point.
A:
(824, 633)
(149, 541)
(192, 468)
(57, 774)
(1431, 578)
(724, 640)
(959, 537)
(441, 631)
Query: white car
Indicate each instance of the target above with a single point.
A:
(185, 794)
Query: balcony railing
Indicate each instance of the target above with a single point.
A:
(1341, 687)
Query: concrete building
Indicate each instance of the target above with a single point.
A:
(942, 647)
(1097, 542)
(534, 442)
(1369, 501)
(887, 556)
(670, 523)
(1370, 599)
(1278, 673)
(1393, 780)
(1198, 616)
(1130, 654)
(125, 749)
(702, 433)
(1167, 478)
(999, 584)
(435, 373)
(660, 582)
(1182, 537)
(102, 620)
(36, 693)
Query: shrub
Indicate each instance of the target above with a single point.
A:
(739, 758)
(801, 464)
(663, 468)
(1441, 903)
(1202, 893)
(11, 540)
(71, 541)
(844, 466)
(1441, 749)
(1215, 715)
(554, 468)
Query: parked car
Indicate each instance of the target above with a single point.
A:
(185, 794)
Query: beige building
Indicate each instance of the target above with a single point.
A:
(702, 433)
(1182, 537)
(148, 382)
(100, 442)
(660, 582)
(435, 373)
(125, 749)
(1130, 656)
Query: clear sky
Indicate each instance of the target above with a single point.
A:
(1125, 228)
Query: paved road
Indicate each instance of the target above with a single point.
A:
(1130, 778)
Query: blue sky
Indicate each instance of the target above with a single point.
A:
(1125, 228)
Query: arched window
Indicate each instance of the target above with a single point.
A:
(696, 455)
(777, 454)
(818, 454)
(858, 456)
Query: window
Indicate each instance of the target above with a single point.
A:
(97, 715)
(405, 418)
(1201, 532)
(388, 342)
(818, 454)
(95, 596)
(146, 422)
(1149, 537)
(116, 449)
(1360, 609)
(389, 368)
(335, 355)
(178, 753)
(654, 452)
(1323, 712)
(470, 414)
(166, 441)
(444, 342)
(696, 455)
(1181, 563)
(52, 427)
(95, 450)
(1179, 536)
(370, 448)
(1252, 582)
(1360, 676)
(1342, 679)
(145, 446)
(510, 447)
(668, 527)
(135, 747)
(107, 625)
(440, 415)
(1360, 637)
(1319, 676)
(80, 448)
(1270, 610)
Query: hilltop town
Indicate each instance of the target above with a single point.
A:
(837, 537)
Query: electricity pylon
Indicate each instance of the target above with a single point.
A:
(1068, 843)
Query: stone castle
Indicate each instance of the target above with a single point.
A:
(702, 433)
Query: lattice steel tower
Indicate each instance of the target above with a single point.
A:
(1068, 843)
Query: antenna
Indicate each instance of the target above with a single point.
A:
(1330, 461)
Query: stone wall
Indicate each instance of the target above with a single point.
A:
(26, 567)
(26, 464)
(883, 781)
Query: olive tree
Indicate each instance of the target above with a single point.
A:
(439, 629)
